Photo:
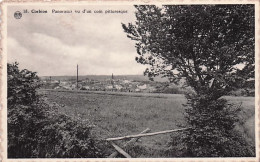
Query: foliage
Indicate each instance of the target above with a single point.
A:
(36, 129)
(206, 44)
(212, 47)
(168, 89)
(213, 123)
(22, 85)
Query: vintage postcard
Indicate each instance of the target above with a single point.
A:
(142, 80)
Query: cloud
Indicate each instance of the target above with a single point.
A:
(54, 44)
(15, 47)
(50, 56)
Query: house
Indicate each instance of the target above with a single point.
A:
(118, 87)
(85, 88)
(126, 81)
(67, 87)
(137, 90)
(109, 87)
(62, 83)
(142, 87)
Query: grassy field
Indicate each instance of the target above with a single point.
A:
(116, 114)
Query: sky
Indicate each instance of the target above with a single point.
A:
(54, 43)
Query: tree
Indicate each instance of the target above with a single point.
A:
(212, 47)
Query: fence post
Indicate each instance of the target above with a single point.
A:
(114, 154)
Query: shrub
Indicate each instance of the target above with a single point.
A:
(212, 131)
(36, 129)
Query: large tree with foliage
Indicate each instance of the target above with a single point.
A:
(212, 47)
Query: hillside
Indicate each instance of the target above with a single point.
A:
(104, 77)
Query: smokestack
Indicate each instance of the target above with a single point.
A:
(77, 75)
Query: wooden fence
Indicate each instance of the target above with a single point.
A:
(134, 138)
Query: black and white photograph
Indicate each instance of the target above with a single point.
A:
(128, 80)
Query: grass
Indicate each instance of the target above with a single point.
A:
(247, 116)
(118, 114)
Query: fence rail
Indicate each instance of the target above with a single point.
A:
(134, 139)
(146, 134)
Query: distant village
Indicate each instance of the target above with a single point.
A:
(111, 84)
(122, 84)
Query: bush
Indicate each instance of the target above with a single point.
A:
(212, 131)
(36, 129)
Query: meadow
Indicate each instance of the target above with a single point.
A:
(120, 114)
